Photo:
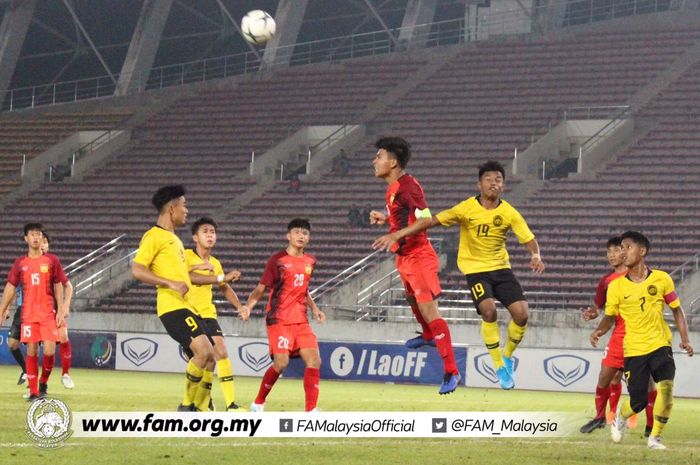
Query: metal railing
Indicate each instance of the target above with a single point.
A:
(589, 144)
(489, 23)
(93, 145)
(685, 269)
(98, 254)
(595, 112)
(348, 273)
(107, 273)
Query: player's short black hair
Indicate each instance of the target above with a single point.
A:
(638, 238)
(165, 194)
(492, 165)
(46, 236)
(302, 223)
(201, 222)
(397, 146)
(615, 241)
(33, 227)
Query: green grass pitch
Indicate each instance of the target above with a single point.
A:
(131, 391)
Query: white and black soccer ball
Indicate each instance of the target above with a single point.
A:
(258, 27)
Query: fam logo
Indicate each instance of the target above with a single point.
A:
(497, 220)
(101, 351)
(652, 290)
(566, 369)
(255, 355)
(48, 422)
(484, 366)
(342, 361)
(139, 350)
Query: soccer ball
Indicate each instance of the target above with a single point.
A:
(258, 27)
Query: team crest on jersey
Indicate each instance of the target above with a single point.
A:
(497, 220)
(308, 269)
(44, 268)
(391, 199)
(652, 290)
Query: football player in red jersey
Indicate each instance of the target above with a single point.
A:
(44, 285)
(289, 333)
(64, 346)
(416, 260)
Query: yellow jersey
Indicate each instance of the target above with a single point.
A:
(201, 295)
(162, 252)
(641, 305)
(483, 233)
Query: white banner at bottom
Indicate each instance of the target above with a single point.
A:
(326, 424)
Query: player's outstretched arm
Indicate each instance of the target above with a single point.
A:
(232, 297)
(255, 296)
(7, 295)
(196, 278)
(590, 313)
(143, 274)
(386, 241)
(536, 263)
(682, 325)
(377, 217)
(603, 327)
(316, 312)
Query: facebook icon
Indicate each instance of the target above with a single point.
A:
(286, 425)
(342, 361)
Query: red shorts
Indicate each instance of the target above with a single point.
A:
(288, 339)
(419, 273)
(39, 332)
(613, 356)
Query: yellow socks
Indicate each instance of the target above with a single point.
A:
(225, 372)
(193, 376)
(662, 406)
(515, 335)
(489, 332)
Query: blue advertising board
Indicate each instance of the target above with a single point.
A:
(380, 362)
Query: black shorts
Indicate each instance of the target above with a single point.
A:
(16, 324)
(658, 364)
(211, 327)
(184, 325)
(498, 284)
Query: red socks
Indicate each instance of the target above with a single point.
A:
(269, 380)
(33, 374)
(443, 341)
(615, 391)
(601, 401)
(65, 349)
(312, 377)
(651, 399)
(46, 367)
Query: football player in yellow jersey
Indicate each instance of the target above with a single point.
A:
(639, 298)
(160, 261)
(205, 270)
(485, 220)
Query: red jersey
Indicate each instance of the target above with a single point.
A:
(288, 278)
(600, 296)
(37, 277)
(403, 197)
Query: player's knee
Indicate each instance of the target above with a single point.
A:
(488, 313)
(280, 365)
(314, 362)
(638, 400)
(13, 344)
(520, 320)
